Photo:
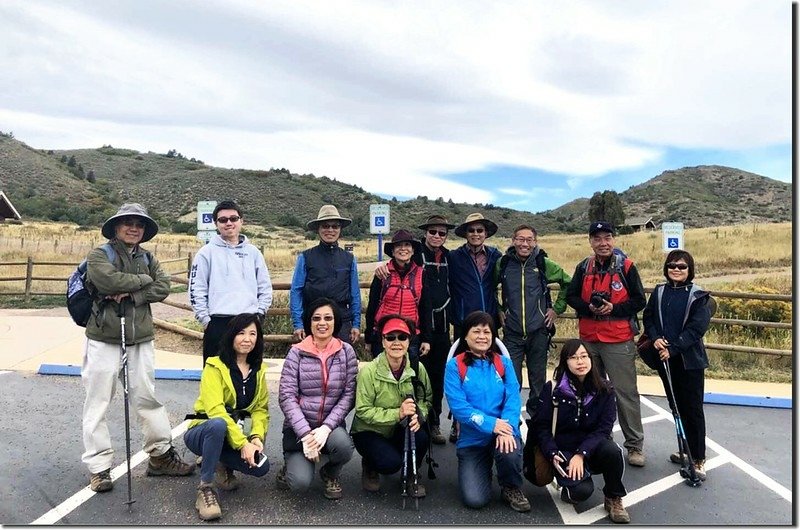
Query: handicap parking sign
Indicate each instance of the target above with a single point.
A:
(208, 218)
(672, 242)
(380, 221)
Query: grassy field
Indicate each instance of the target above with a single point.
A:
(763, 252)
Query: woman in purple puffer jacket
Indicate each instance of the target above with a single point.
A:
(317, 391)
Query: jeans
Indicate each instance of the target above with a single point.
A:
(475, 471)
(300, 470)
(385, 455)
(208, 440)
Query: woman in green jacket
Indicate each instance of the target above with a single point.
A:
(383, 399)
(232, 389)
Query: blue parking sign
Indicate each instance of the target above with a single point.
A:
(380, 220)
(208, 218)
(672, 242)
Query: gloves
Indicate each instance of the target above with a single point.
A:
(321, 435)
(308, 452)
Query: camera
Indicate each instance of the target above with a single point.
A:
(598, 297)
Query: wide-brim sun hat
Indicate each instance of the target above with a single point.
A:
(398, 237)
(328, 212)
(130, 209)
(436, 220)
(491, 227)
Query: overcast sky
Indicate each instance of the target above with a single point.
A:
(524, 104)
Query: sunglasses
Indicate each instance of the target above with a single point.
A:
(329, 226)
(391, 337)
(135, 223)
(232, 218)
(679, 266)
(326, 318)
(437, 233)
(476, 230)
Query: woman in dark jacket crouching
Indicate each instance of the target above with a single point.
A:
(582, 443)
(676, 318)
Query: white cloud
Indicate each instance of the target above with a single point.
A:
(390, 95)
(513, 191)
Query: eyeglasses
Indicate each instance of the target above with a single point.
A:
(437, 233)
(135, 223)
(576, 358)
(224, 220)
(326, 318)
(330, 226)
(478, 230)
(391, 337)
(679, 266)
(528, 240)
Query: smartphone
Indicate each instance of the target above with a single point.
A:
(561, 471)
(259, 458)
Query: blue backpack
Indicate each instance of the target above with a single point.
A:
(81, 293)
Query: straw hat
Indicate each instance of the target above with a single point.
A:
(128, 210)
(328, 213)
(491, 228)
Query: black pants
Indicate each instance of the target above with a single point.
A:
(689, 387)
(213, 335)
(385, 455)
(606, 460)
(434, 364)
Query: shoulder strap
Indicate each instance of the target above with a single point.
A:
(555, 412)
(496, 360)
(462, 366)
(111, 254)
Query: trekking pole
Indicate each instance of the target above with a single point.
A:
(404, 472)
(687, 463)
(413, 441)
(124, 370)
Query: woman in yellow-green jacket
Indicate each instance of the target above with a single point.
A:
(233, 395)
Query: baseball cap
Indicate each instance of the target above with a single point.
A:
(601, 226)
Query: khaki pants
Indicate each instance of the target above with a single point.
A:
(99, 373)
(617, 360)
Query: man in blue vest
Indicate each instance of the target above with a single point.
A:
(327, 270)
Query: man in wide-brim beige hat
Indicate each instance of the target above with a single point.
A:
(476, 218)
(328, 212)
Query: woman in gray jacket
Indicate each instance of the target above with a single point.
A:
(316, 392)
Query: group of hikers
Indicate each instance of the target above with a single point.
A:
(413, 301)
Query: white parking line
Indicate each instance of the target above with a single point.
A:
(63, 509)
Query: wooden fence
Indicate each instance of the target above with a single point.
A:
(179, 277)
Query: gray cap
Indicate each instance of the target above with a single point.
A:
(127, 210)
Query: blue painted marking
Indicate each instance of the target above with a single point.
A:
(748, 401)
(161, 373)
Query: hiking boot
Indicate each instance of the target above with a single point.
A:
(616, 511)
(675, 458)
(169, 464)
(516, 499)
(419, 492)
(370, 479)
(225, 479)
(636, 457)
(280, 479)
(101, 481)
(566, 498)
(700, 469)
(436, 435)
(333, 488)
(453, 432)
(207, 503)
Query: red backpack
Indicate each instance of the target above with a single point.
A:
(497, 359)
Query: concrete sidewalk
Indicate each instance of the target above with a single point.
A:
(29, 338)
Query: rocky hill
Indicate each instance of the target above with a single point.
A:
(86, 185)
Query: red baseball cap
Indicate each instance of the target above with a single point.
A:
(395, 324)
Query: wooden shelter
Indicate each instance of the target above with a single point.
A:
(7, 210)
(641, 223)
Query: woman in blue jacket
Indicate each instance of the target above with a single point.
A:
(483, 395)
(582, 444)
(676, 318)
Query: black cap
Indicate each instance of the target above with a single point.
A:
(601, 226)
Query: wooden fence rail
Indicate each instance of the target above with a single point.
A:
(179, 277)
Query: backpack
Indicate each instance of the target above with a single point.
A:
(412, 281)
(618, 268)
(497, 360)
(81, 293)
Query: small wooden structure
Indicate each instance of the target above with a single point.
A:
(7, 210)
(641, 223)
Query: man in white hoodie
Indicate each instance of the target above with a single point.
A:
(229, 276)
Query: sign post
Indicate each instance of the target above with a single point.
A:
(379, 224)
(205, 220)
(673, 236)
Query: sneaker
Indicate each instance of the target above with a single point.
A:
(636, 457)
(225, 479)
(333, 488)
(616, 511)
(370, 479)
(436, 435)
(280, 479)
(700, 469)
(198, 461)
(454, 432)
(169, 464)
(675, 458)
(207, 503)
(419, 492)
(101, 482)
(516, 499)
(566, 498)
